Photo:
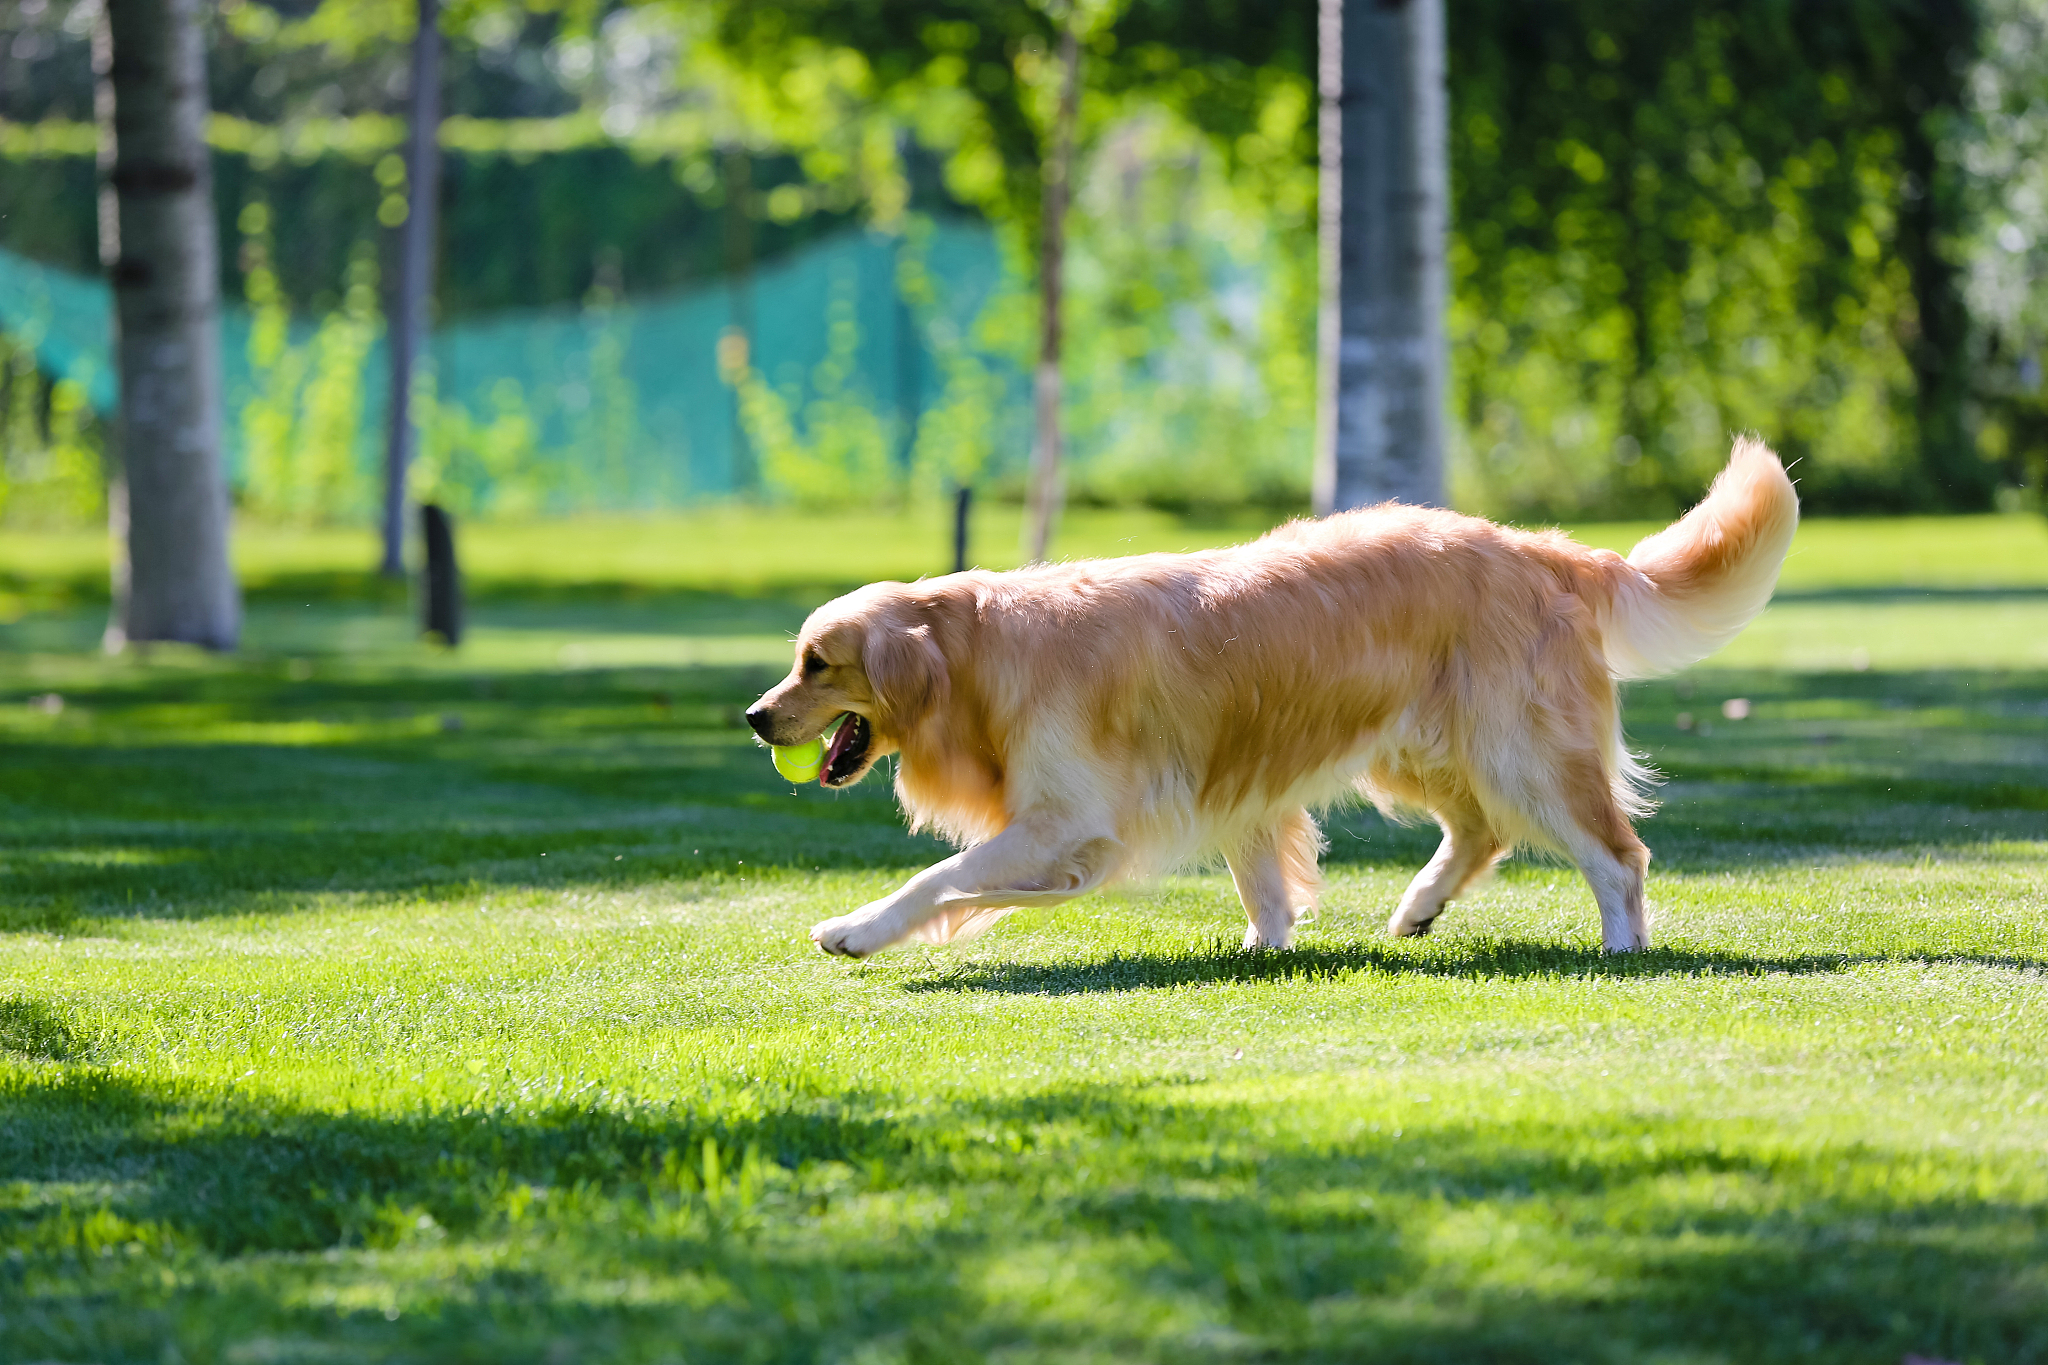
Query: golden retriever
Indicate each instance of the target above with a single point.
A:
(1070, 724)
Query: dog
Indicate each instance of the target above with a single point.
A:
(1068, 725)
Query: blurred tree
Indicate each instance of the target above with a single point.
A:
(1383, 220)
(1014, 71)
(2001, 145)
(1668, 223)
(994, 84)
(170, 507)
(1046, 493)
(414, 288)
(1744, 212)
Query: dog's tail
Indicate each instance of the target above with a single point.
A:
(1692, 587)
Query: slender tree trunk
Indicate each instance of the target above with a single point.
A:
(1329, 243)
(1046, 492)
(415, 275)
(1385, 206)
(121, 572)
(163, 261)
(1954, 476)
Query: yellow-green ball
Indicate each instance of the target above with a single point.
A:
(800, 762)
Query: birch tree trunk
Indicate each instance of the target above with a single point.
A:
(162, 254)
(415, 275)
(1384, 209)
(1046, 490)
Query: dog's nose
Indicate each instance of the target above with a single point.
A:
(760, 717)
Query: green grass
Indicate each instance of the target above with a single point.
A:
(737, 549)
(362, 1001)
(802, 555)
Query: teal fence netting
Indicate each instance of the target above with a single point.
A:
(620, 403)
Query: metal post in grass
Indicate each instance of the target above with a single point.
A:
(443, 586)
(963, 503)
(415, 275)
(1385, 192)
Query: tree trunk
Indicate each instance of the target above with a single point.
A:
(1046, 491)
(169, 500)
(415, 274)
(1955, 477)
(1385, 206)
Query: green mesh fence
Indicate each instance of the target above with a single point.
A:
(617, 404)
(64, 318)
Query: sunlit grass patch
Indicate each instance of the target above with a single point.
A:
(362, 1001)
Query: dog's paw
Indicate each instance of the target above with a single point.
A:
(1278, 939)
(848, 936)
(1401, 927)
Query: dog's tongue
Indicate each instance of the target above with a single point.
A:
(840, 743)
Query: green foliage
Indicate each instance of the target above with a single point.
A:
(303, 430)
(957, 438)
(639, 207)
(51, 443)
(1677, 222)
(967, 71)
(1670, 223)
(1190, 283)
(48, 194)
(1191, 313)
(511, 452)
(606, 431)
(841, 455)
(476, 464)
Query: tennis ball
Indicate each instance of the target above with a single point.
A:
(800, 762)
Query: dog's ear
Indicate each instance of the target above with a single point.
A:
(905, 670)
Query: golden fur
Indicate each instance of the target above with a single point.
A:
(1069, 724)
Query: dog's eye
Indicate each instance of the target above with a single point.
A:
(812, 663)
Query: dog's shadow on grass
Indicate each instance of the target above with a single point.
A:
(1484, 958)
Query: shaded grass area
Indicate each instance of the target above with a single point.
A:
(1231, 1239)
(365, 1002)
(1483, 958)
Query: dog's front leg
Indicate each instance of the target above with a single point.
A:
(1255, 868)
(1027, 864)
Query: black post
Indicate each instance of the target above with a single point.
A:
(963, 502)
(444, 579)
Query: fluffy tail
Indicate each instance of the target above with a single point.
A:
(1692, 587)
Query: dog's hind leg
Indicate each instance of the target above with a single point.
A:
(1277, 878)
(1469, 848)
(1604, 845)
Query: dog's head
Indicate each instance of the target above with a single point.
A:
(870, 657)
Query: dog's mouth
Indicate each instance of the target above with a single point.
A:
(847, 757)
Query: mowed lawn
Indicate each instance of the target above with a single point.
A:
(361, 1001)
